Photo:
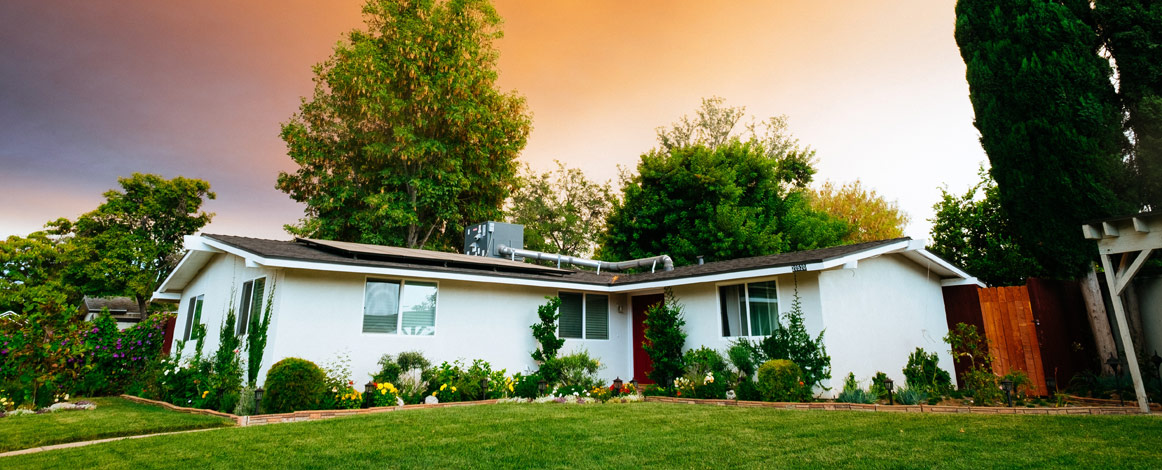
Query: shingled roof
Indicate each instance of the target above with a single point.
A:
(307, 251)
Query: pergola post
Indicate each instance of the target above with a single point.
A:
(1124, 328)
(1136, 236)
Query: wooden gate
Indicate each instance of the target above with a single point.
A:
(1012, 334)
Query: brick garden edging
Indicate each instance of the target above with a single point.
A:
(1068, 410)
(309, 415)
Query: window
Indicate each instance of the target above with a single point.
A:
(400, 307)
(584, 316)
(194, 315)
(252, 295)
(749, 309)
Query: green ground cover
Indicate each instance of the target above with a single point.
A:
(648, 435)
(113, 417)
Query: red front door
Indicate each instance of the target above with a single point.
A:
(641, 361)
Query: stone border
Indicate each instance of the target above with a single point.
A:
(309, 415)
(828, 406)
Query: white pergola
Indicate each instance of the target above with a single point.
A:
(1133, 239)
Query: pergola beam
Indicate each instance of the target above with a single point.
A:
(1124, 333)
(1125, 275)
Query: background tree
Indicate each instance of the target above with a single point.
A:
(1132, 33)
(868, 214)
(1048, 119)
(562, 210)
(133, 240)
(972, 231)
(708, 192)
(31, 273)
(407, 139)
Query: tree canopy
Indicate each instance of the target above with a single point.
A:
(867, 213)
(30, 273)
(407, 139)
(562, 210)
(133, 240)
(1049, 121)
(972, 231)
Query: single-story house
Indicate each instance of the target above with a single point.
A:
(124, 310)
(877, 302)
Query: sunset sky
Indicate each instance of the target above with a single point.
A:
(93, 90)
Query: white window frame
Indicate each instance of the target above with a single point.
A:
(746, 301)
(238, 318)
(399, 313)
(585, 316)
(191, 314)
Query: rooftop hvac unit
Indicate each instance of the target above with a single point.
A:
(485, 239)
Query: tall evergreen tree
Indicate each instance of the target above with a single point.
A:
(1048, 118)
(1132, 32)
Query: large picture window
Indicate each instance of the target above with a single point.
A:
(251, 304)
(750, 309)
(584, 316)
(400, 307)
(193, 315)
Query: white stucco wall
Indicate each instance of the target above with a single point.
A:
(1149, 291)
(219, 281)
(879, 313)
(320, 315)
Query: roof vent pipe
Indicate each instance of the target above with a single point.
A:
(652, 262)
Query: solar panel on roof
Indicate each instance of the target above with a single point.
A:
(431, 256)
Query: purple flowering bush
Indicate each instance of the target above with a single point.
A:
(117, 358)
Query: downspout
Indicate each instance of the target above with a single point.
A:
(652, 262)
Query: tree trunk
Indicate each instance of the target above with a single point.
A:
(1134, 318)
(1099, 321)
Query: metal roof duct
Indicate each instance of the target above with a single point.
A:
(651, 263)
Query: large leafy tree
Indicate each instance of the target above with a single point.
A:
(30, 273)
(406, 139)
(1049, 121)
(710, 191)
(562, 210)
(1132, 33)
(133, 240)
(972, 231)
(870, 216)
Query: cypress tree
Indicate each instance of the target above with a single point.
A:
(1132, 33)
(1048, 118)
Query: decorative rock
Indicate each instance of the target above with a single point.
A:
(399, 401)
(431, 400)
(730, 395)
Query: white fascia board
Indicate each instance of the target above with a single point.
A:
(972, 281)
(165, 297)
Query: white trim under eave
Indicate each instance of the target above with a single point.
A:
(165, 297)
(251, 258)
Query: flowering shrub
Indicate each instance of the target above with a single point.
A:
(385, 395)
(525, 386)
(781, 380)
(348, 399)
(293, 384)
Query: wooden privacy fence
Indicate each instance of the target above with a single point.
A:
(1011, 330)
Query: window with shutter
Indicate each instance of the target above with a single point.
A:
(596, 316)
(570, 323)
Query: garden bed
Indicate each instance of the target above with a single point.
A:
(113, 417)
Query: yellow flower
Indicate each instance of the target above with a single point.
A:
(205, 393)
(453, 389)
(433, 394)
(442, 387)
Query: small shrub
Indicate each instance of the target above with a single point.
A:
(338, 384)
(745, 356)
(747, 390)
(852, 393)
(781, 380)
(293, 384)
(389, 370)
(578, 369)
(879, 386)
(385, 394)
(545, 332)
(526, 386)
(245, 406)
(409, 360)
(664, 339)
(412, 386)
(923, 372)
(1021, 384)
(911, 396)
(705, 360)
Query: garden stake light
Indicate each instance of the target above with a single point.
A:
(890, 384)
(258, 400)
(1007, 385)
(541, 387)
(1115, 367)
(617, 384)
(484, 388)
(368, 394)
(633, 383)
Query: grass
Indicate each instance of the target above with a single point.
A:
(649, 435)
(113, 417)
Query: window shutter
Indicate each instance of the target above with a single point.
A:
(257, 297)
(596, 316)
(244, 308)
(570, 322)
(380, 307)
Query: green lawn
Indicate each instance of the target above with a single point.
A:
(648, 435)
(113, 417)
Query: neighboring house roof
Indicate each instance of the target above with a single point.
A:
(374, 259)
(114, 304)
